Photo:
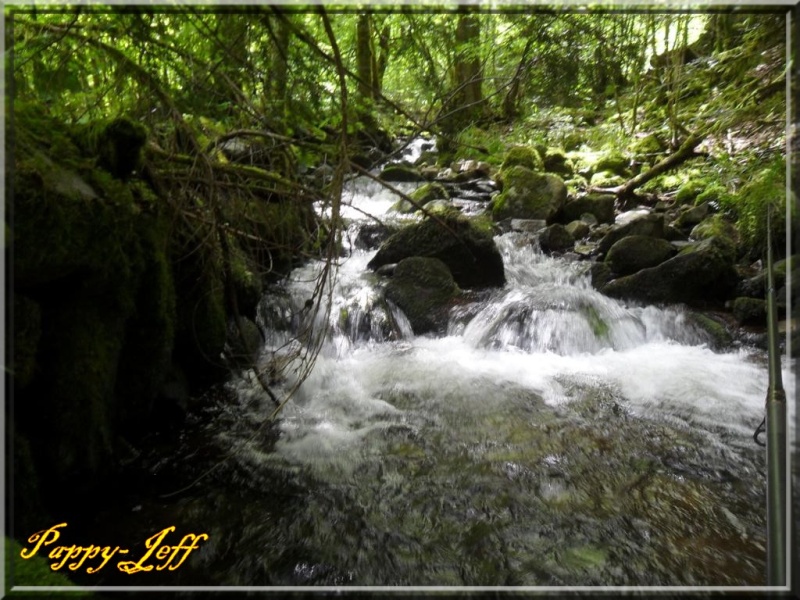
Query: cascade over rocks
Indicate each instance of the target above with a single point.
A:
(468, 251)
(700, 274)
(423, 288)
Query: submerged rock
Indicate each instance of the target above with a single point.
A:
(422, 288)
(468, 250)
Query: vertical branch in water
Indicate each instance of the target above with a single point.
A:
(313, 333)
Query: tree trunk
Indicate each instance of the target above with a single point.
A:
(365, 58)
(468, 72)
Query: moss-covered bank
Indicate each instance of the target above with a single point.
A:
(112, 297)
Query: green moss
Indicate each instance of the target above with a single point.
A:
(523, 156)
(690, 190)
(35, 571)
(599, 326)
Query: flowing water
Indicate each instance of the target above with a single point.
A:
(553, 436)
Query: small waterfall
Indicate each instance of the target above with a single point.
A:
(553, 436)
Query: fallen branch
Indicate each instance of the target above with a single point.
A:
(681, 155)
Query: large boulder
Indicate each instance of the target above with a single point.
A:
(468, 250)
(529, 195)
(701, 274)
(423, 288)
(599, 205)
(637, 252)
(651, 225)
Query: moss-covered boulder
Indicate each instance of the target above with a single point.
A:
(401, 173)
(529, 195)
(651, 225)
(606, 179)
(613, 162)
(717, 225)
(423, 289)
(422, 196)
(467, 249)
(637, 252)
(599, 205)
(701, 275)
(522, 156)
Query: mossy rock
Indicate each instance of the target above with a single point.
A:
(714, 329)
(717, 225)
(750, 311)
(422, 288)
(714, 194)
(599, 205)
(606, 179)
(691, 216)
(614, 162)
(637, 252)
(422, 196)
(689, 191)
(529, 195)
(401, 173)
(651, 225)
(555, 161)
(578, 229)
(700, 275)
(468, 250)
(555, 238)
(522, 156)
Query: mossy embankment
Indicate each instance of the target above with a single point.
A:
(117, 302)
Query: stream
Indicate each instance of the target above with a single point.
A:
(552, 437)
